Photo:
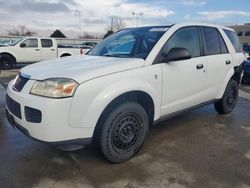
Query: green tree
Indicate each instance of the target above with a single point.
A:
(109, 32)
(57, 34)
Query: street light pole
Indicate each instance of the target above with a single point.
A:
(137, 17)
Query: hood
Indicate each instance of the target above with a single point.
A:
(4, 47)
(80, 68)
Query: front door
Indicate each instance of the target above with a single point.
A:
(183, 81)
(29, 51)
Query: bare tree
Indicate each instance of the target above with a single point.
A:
(22, 30)
(87, 36)
(118, 24)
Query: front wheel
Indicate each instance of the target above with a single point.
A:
(229, 99)
(123, 132)
(6, 62)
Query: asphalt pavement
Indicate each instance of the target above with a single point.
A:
(199, 149)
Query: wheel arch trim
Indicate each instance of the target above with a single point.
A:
(7, 53)
(233, 71)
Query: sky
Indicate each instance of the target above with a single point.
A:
(94, 16)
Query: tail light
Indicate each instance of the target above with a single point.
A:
(81, 50)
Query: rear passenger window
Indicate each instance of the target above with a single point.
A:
(46, 43)
(234, 40)
(212, 41)
(185, 38)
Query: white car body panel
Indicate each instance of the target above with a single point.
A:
(106, 89)
(81, 68)
(172, 86)
(175, 94)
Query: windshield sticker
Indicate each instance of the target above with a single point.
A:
(159, 29)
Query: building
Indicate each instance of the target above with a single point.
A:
(243, 31)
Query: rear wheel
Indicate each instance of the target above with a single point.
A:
(65, 55)
(6, 62)
(229, 99)
(123, 132)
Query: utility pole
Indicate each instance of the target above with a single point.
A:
(137, 17)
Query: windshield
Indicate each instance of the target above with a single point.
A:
(130, 43)
(16, 41)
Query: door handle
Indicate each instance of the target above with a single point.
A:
(228, 62)
(199, 66)
(37, 49)
(52, 49)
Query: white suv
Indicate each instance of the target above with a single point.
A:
(129, 81)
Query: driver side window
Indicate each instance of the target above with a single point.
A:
(30, 43)
(188, 38)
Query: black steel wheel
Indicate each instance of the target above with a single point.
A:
(123, 132)
(229, 99)
(126, 132)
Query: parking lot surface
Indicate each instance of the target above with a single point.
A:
(199, 149)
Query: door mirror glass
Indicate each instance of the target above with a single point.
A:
(23, 45)
(175, 54)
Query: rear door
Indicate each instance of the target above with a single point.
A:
(48, 49)
(238, 56)
(183, 81)
(219, 60)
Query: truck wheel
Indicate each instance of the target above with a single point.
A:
(6, 62)
(229, 99)
(65, 55)
(123, 132)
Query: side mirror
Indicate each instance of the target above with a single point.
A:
(23, 45)
(176, 54)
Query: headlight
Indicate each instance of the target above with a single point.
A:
(54, 88)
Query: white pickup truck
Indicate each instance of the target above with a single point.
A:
(33, 49)
(128, 82)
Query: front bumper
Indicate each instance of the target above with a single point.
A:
(66, 145)
(54, 125)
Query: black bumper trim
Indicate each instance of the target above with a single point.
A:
(79, 142)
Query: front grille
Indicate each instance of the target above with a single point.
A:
(14, 107)
(33, 115)
(20, 82)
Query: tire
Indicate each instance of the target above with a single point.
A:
(229, 99)
(65, 55)
(123, 132)
(6, 62)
